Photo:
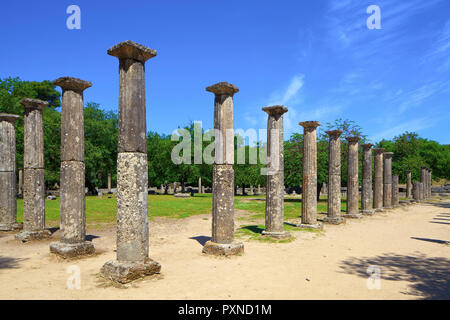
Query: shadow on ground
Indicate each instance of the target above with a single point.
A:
(10, 263)
(429, 277)
(254, 229)
(201, 239)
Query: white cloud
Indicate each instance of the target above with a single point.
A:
(414, 125)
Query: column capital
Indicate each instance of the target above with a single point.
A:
(29, 103)
(388, 154)
(275, 110)
(378, 150)
(353, 139)
(223, 88)
(334, 133)
(9, 117)
(310, 124)
(74, 84)
(131, 50)
(366, 146)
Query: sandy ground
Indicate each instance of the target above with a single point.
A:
(407, 244)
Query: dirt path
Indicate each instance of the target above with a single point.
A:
(408, 244)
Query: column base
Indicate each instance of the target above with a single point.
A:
(368, 212)
(334, 220)
(353, 215)
(379, 210)
(387, 208)
(126, 271)
(11, 227)
(318, 226)
(404, 202)
(223, 249)
(72, 250)
(276, 235)
(25, 236)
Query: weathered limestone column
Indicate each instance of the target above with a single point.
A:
(8, 192)
(34, 187)
(352, 179)
(423, 180)
(408, 185)
(395, 199)
(421, 192)
(430, 179)
(73, 205)
(109, 182)
(334, 178)
(222, 241)
(259, 189)
(428, 182)
(416, 191)
(251, 193)
(275, 173)
(309, 182)
(133, 259)
(199, 184)
(387, 180)
(20, 187)
(378, 179)
(367, 192)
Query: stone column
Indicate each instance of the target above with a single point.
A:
(133, 260)
(259, 189)
(416, 191)
(275, 173)
(378, 179)
(20, 187)
(408, 185)
(222, 241)
(367, 192)
(421, 192)
(395, 199)
(387, 180)
(251, 193)
(430, 179)
(334, 178)
(309, 181)
(199, 184)
(352, 179)
(34, 187)
(423, 180)
(73, 205)
(109, 182)
(8, 190)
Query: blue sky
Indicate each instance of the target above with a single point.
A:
(318, 58)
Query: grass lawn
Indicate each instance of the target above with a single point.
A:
(103, 210)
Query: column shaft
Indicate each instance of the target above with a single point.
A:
(352, 179)
(8, 189)
(367, 192)
(34, 187)
(334, 178)
(408, 185)
(378, 179)
(309, 181)
(387, 180)
(395, 196)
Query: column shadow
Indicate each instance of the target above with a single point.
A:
(10, 263)
(201, 239)
(428, 277)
